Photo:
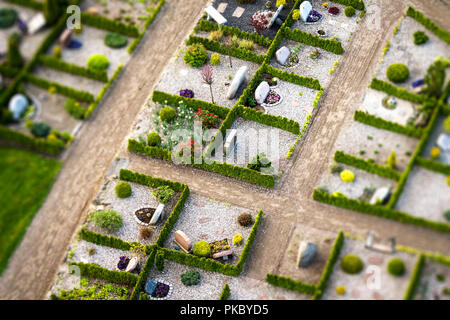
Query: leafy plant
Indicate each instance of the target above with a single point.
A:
(351, 264)
(115, 40)
(98, 62)
(396, 267)
(349, 11)
(40, 129)
(163, 193)
(215, 59)
(8, 17)
(347, 176)
(196, 55)
(237, 239)
(420, 37)
(123, 189)
(260, 163)
(397, 73)
(202, 249)
(207, 78)
(167, 114)
(190, 278)
(392, 160)
(153, 139)
(107, 219)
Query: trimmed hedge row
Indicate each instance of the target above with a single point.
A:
(26, 141)
(293, 78)
(433, 165)
(8, 72)
(374, 121)
(102, 92)
(357, 4)
(142, 279)
(225, 294)
(149, 181)
(415, 278)
(154, 152)
(429, 24)
(109, 25)
(355, 205)
(104, 240)
(221, 48)
(94, 271)
(65, 91)
(173, 100)
(400, 93)
(362, 164)
(333, 46)
(289, 284)
(58, 64)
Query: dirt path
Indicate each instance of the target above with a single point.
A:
(33, 266)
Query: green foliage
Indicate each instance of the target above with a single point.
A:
(433, 165)
(350, 11)
(215, 59)
(153, 139)
(97, 272)
(57, 52)
(74, 108)
(357, 4)
(392, 160)
(98, 62)
(397, 92)
(397, 73)
(14, 58)
(107, 219)
(396, 267)
(293, 78)
(159, 260)
(40, 129)
(225, 294)
(167, 114)
(435, 78)
(447, 124)
(429, 24)
(331, 45)
(163, 193)
(115, 40)
(351, 264)
(289, 284)
(8, 18)
(268, 119)
(104, 240)
(415, 278)
(420, 37)
(52, 11)
(109, 25)
(259, 163)
(97, 291)
(196, 55)
(190, 278)
(202, 249)
(123, 189)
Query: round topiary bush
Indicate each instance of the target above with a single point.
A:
(40, 129)
(420, 37)
(397, 73)
(190, 278)
(202, 249)
(347, 176)
(396, 267)
(351, 264)
(349, 11)
(196, 55)
(167, 114)
(115, 40)
(107, 219)
(215, 59)
(8, 17)
(153, 139)
(245, 219)
(123, 189)
(98, 62)
(340, 290)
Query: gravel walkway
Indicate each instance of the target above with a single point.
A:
(435, 278)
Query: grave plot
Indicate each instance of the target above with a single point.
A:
(240, 14)
(21, 17)
(307, 61)
(228, 80)
(343, 180)
(417, 58)
(434, 282)
(142, 215)
(432, 202)
(376, 145)
(438, 145)
(364, 274)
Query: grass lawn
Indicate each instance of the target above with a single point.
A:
(25, 180)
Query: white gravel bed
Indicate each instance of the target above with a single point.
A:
(444, 157)
(368, 142)
(355, 189)
(430, 287)
(306, 67)
(178, 75)
(93, 43)
(416, 58)
(361, 286)
(210, 220)
(141, 197)
(426, 195)
(372, 104)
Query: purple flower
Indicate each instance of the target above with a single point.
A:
(187, 93)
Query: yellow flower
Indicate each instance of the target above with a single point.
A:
(347, 176)
(325, 4)
(435, 153)
(237, 239)
(340, 290)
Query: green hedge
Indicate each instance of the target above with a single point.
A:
(154, 152)
(103, 240)
(380, 211)
(270, 120)
(445, 109)
(374, 121)
(429, 24)
(357, 4)
(142, 279)
(289, 284)
(225, 294)
(109, 25)
(293, 78)
(433, 165)
(58, 64)
(36, 5)
(333, 46)
(149, 181)
(26, 141)
(398, 92)
(8, 72)
(415, 278)
(382, 171)
(94, 271)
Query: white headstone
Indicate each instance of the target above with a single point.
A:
(444, 142)
(275, 16)
(306, 253)
(17, 105)
(261, 92)
(380, 196)
(36, 23)
(230, 141)
(282, 55)
(238, 79)
(132, 264)
(158, 212)
(305, 10)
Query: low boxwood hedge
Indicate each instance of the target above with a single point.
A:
(94, 271)
(429, 24)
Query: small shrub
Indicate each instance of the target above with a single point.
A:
(447, 124)
(196, 55)
(335, 167)
(57, 52)
(246, 44)
(420, 37)
(145, 232)
(98, 62)
(115, 40)
(237, 239)
(392, 160)
(107, 219)
(347, 176)
(167, 114)
(245, 219)
(123, 189)
(74, 108)
(296, 14)
(396, 267)
(215, 59)
(8, 18)
(216, 35)
(334, 11)
(159, 260)
(435, 153)
(202, 249)
(397, 73)
(349, 11)
(447, 215)
(190, 278)
(340, 290)
(153, 139)
(40, 129)
(351, 264)
(163, 193)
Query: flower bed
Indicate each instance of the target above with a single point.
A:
(219, 247)
(123, 262)
(144, 215)
(313, 17)
(187, 93)
(273, 98)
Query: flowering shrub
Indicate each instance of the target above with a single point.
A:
(196, 55)
(187, 93)
(209, 120)
(260, 20)
(296, 14)
(215, 59)
(334, 10)
(237, 239)
(123, 262)
(340, 290)
(272, 97)
(435, 153)
(161, 290)
(347, 176)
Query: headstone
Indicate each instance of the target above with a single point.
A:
(159, 211)
(213, 13)
(381, 195)
(443, 142)
(132, 264)
(238, 79)
(37, 22)
(230, 141)
(150, 287)
(182, 240)
(261, 92)
(282, 55)
(17, 105)
(65, 38)
(422, 120)
(306, 253)
(305, 10)
(275, 16)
